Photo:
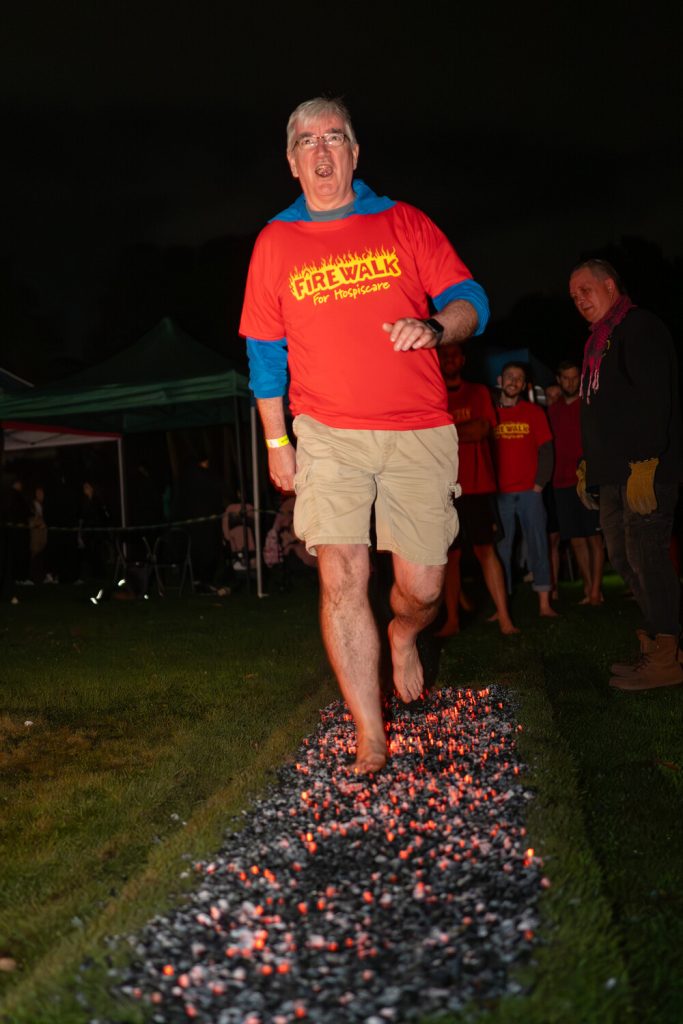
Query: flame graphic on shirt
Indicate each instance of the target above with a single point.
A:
(342, 271)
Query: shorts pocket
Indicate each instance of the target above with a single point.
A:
(301, 476)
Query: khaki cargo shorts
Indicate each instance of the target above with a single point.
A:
(409, 475)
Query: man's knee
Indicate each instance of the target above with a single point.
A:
(421, 590)
(484, 553)
(344, 570)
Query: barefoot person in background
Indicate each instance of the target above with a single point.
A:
(338, 293)
(474, 417)
(578, 524)
(631, 428)
(524, 465)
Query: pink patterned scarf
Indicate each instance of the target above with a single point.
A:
(598, 343)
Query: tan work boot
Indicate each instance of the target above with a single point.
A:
(622, 668)
(659, 667)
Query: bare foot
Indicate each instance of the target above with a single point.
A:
(509, 629)
(448, 629)
(464, 602)
(549, 613)
(408, 675)
(493, 618)
(371, 755)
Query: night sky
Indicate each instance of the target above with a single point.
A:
(145, 149)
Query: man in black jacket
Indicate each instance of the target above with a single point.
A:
(631, 428)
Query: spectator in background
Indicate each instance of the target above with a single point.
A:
(38, 536)
(238, 534)
(524, 464)
(553, 392)
(577, 524)
(19, 515)
(93, 517)
(145, 504)
(145, 507)
(282, 545)
(631, 429)
(200, 496)
(62, 510)
(7, 585)
(474, 417)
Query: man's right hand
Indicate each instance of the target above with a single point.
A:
(584, 496)
(282, 467)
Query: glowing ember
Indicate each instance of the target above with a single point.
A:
(423, 871)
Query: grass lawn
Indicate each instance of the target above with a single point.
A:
(154, 724)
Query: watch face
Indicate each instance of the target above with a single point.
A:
(435, 326)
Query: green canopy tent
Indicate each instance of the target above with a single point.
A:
(165, 381)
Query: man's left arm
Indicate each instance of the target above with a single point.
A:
(460, 318)
(546, 451)
(650, 367)
(473, 431)
(544, 468)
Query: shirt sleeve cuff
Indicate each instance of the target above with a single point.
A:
(267, 367)
(471, 292)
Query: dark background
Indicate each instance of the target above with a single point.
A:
(144, 149)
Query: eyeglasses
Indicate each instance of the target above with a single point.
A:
(331, 139)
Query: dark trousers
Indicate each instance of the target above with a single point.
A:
(638, 548)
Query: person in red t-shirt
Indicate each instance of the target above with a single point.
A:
(524, 463)
(578, 524)
(338, 301)
(475, 420)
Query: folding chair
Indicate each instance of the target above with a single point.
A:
(133, 563)
(172, 555)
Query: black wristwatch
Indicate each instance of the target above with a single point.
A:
(436, 328)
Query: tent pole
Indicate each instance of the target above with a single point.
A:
(243, 499)
(122, 481)
(257, 503)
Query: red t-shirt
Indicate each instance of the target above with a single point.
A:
(565, 423)
(520, 432)
(475, 461)
(328, 286)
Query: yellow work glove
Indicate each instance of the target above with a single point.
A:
(584, 496)
(640, 487)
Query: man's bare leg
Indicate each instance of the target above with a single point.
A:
(596, 547)
(554, 555)
(415, 599)
(590, 558)
(582, 555)
(545, 609)
(351, 640)
(495, 582)
(451, 595)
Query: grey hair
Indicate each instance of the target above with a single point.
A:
(311, 110)
(602, 270)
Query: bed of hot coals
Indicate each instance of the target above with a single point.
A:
(348, 898)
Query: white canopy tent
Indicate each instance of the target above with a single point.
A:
(24, 437)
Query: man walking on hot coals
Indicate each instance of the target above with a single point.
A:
(338, 294)
(631, 431)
